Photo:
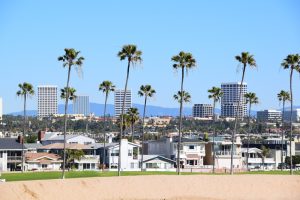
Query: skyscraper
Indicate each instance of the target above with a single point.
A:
(202, 110)
(47, 100)
(119, 101)
(230, 98)
(81, 105)
(1, 111)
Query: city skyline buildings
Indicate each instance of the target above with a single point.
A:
(47, 100)
(30, 30)
(118, 99)
(81, 105)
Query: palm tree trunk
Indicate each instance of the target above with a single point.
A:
(282, 134)
(23, 136)
(65, 122)
(132, 132)
(104, 134)
(291, 123)
(236, 121)
(214, 135)
(122, 113)
(180, 123)
(143, 129)
(248, 135)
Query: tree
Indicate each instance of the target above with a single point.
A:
(72, 155)
(251, 98)
(106, 87)
(133, 57)
(72, 93)
(264, 153)
(283, 96)
(146, 91)
(25, 90)
(70, 59)
(133, 117)
(245, 59)
(181, 97)
(185, 61)
(215, 94)
(291, 62)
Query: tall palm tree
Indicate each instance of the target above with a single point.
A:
(283, 96)
(251, 99)
(25, 90)
(146, 91)
(185, 61)
(215, 94)
(133, 117)
(181, 97)
(245, 59)
(70, 59)
(291, 62)
(133, 57)
(106, 87)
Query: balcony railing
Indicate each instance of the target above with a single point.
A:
(225, 153)
(14, 158)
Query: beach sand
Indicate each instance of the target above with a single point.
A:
(169, 187)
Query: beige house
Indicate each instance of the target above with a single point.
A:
(42, 161)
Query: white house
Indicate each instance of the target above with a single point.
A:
(158, 163)
(55, 137)
(42, 161)
(256, 159)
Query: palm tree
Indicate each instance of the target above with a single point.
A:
(133, 56)
(215, 94)
(70, 59)
(251, 98)
(291, 62)
(264, 153)
(133, 117)
(283, 96)
(26, 90)
(147, 91)
(245, 59)
(72, 95)
(72, 155)
(106, 87)
(181, 97)
(185, 61)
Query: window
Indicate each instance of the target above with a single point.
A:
(191, 147)
(152, 165)
(87, 143)
(44, 166)
(129, 152)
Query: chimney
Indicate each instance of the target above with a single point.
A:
(20, 139)
(41, 135)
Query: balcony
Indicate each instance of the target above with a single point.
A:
(11, 159)
(225, 153)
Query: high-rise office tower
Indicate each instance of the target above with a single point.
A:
(81, 105)
(202, 110)
(230, 98)
(119, 94)
(1, 111)
(47, 100)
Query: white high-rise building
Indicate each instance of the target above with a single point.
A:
(202, 110)
(81, 105)
(1, 109)
(230, 98)
(269, 116)
(47, 100)
(119, 94)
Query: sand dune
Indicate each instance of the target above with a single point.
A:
(204, 187)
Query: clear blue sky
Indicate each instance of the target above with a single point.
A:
(34, 33)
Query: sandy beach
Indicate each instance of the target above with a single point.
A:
(204, 187)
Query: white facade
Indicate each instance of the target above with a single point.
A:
(257, 161)
(158, 163)
(1, 109)
(129, 162)
(30, 166)
(81, 105)
(202, 110)
(55, 137)
(269, 115)
(230, 99)
(295, 115)
(119, 94)
(47, 100)
(3, 161)
(88, 162)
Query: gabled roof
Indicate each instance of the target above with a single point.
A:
(153, 157)
(33, 145)
(68, 146)
(42, 158)
(10, 144)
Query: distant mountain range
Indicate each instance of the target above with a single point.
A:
(98, 109)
